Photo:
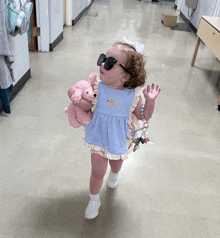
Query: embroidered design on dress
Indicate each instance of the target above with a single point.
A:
(111, 102)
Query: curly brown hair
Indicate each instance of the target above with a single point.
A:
(135, 65)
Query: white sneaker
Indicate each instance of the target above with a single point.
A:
(92, 209)
(112, 180)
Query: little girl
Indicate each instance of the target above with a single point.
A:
(122, 74)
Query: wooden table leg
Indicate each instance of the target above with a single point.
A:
(195, 52)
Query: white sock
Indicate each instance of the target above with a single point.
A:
(114, 176)
(94, 197)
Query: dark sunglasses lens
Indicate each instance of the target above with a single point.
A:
(101, 59)
(109, 63)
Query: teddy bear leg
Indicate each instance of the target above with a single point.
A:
(84, 117)
(75, 124)
(72, 117)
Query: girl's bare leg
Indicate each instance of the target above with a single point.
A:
(116, 165)
(99, 168)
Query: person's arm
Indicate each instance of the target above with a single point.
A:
(150, 95)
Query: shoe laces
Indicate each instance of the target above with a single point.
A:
(94, 204)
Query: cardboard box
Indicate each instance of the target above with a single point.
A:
(169, 19)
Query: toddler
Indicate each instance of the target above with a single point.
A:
(122, 74)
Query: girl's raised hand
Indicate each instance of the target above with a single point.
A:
(151, 93)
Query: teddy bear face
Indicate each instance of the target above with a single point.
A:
(88, 94)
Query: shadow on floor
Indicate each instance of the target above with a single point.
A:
(65, 216)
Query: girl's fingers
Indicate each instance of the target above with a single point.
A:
(151, 87)
(158, 89)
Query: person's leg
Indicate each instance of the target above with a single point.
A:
(113, 176)
(116, 165)
(99, 167)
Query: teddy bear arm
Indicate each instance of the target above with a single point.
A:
(85, 104)
(71, 113)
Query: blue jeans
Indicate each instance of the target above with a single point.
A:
(5, 98)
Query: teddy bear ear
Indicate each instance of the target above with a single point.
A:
(93, 75)
(76, 97)
(92, 78)
(71, 91)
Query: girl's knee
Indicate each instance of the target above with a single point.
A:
(115, 165)
(99, 166)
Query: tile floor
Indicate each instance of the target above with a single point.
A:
(168, 189)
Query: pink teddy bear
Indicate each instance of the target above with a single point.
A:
(82, 94)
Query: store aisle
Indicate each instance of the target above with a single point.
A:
(167, 189)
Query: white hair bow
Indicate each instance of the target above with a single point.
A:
(138, 46)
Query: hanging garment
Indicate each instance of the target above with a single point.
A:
(6, 51)
(6, 60)
(18, 16)
(6, 72)
(5, 38)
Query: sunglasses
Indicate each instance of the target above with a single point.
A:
(109, 62)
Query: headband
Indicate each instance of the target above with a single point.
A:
(138, 46)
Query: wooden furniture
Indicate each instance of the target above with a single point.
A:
(209, 33)
(64, 12)
(33, 45)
